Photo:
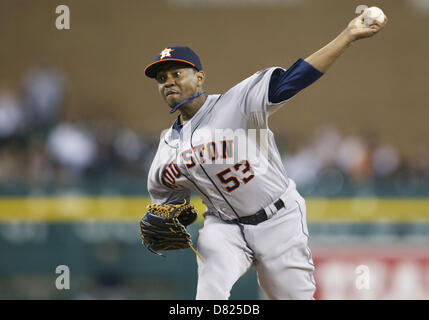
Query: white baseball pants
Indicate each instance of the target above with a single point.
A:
(276, 248)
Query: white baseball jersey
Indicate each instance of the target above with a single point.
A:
(225, 152)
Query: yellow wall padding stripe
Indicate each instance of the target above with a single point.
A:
(128, 209)
(406, 210)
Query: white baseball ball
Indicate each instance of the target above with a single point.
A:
(370, 15)
(373, 13)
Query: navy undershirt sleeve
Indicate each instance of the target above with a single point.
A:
(285, 84)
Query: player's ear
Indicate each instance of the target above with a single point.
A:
(201, 77)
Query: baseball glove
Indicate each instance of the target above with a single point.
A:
(163, 227)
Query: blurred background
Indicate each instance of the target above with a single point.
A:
(80, 123)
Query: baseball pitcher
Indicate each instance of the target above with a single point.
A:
(221, 147)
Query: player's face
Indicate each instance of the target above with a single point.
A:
(176, 84)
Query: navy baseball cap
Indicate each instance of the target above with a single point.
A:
(179, 54)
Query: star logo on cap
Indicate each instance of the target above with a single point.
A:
(166, 53)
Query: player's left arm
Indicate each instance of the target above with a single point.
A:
(285, 84)
(326, 56)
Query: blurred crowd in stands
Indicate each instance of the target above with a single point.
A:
(40, 150)
(336, 165)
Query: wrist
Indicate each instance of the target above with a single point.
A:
(347, 37)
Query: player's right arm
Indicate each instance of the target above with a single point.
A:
(160, 182)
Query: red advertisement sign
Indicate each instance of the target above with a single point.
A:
(373, 272)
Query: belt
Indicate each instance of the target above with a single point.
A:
(261, 215)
